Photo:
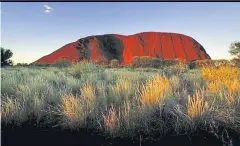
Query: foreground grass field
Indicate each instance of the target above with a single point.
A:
(136, 103)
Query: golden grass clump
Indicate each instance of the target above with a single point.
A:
(122, 85)
(196, 106)
(88, 93)
(214, 87)
(223, 77)
(111, 120)
(71, 107)
(6, 108)
(220, 74)
(234, 86)
(155, 90)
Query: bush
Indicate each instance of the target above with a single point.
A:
(156, 63)
(201, 63)
(40, 64)
(168, 63)
(147, 61)
(22, 64)
(144, 61)
(83, 68)
(114, 63)
(221, 62)
(62, 63)
(135, 61)
(235, 62)
(102, 61)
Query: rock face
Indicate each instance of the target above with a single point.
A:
(103, 48)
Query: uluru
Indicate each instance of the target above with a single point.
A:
(103, 48)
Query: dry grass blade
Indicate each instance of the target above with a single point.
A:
(155, 90)
(196, 106)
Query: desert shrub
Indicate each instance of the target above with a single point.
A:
(22, 64)
(157, 63)
(143, 61)
(101, 61)
(167, 63)
(146, 61)
(114, 63)
(62, 63)
(135, 60)
(235, 62)
(201, 63)
(174, 67)
(221, 62)
(224, 77)
(83, 68)
(40, 64)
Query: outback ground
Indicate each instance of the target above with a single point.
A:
(87, 104)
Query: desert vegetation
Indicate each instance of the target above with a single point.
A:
(125, 102)
(6, 55)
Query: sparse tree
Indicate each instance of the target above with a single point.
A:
(235, 49)
(6, 54)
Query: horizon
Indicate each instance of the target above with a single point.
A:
(38, 29)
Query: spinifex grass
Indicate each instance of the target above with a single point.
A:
(155, 90)
(222, 78)
(111, 120)
(197, 107)
(71, 107)
(123, 101)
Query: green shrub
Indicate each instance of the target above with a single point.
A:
(235, 62)
(168, 63)
(83, 68)
(114, 63)
(144, 61)
(201, 63)
(40, 64)
(157, 63)
(62, 63)
(22, 64)
(135, 61)
(101, 62)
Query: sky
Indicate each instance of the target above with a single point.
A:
(34, 29)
